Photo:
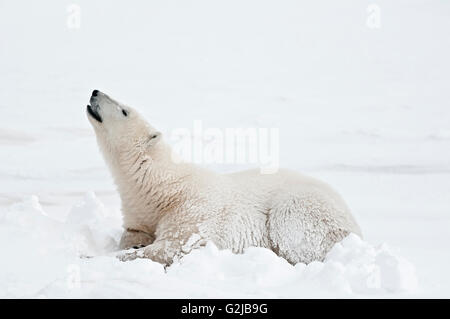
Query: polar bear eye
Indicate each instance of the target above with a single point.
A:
(124, 112)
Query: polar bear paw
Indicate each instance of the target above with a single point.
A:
(128, 256)
(162, 252)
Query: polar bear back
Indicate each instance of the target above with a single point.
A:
(297, 216)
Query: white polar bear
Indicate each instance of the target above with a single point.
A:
(171, 208)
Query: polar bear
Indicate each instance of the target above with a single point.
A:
(171, 208)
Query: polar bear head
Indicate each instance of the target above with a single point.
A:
(119, 128)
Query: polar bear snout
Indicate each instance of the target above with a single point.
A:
(93, 111)
(93, 107)
(95, 97)
(103, 109)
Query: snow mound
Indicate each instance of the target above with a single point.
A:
(369, 269)
(48, 258)
(96, 230)
(33, 251)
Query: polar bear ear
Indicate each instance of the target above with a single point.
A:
(153, 138)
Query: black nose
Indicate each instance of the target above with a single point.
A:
(94, 93)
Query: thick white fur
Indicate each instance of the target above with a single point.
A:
(172, 208)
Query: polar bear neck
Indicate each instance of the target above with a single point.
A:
(150, 184)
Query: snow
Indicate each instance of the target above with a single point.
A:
(366, 110)
(61, 254)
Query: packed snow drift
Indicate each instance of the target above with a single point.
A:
(77, 258)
